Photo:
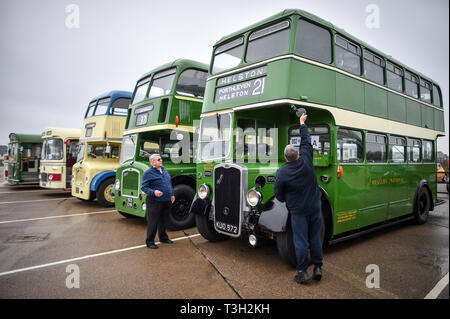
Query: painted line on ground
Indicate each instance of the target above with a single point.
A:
(436, 291)
(59, 216)
(36, 200)
(38, 190)
(110, 252)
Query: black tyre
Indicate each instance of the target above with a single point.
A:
(422, 206)
(104, 196)
(179, 217)
(206, 229)
(285, 246)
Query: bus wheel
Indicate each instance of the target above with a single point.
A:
(206, 229)
(422, 206)
(104, 196)
(179, 217)
(285, 246)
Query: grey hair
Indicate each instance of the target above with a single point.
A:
(152, 157)
(291, 153)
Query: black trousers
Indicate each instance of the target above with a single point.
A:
(157, 216)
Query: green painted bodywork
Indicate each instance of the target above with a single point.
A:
(367, 193)
(187, 110)
(24, 170)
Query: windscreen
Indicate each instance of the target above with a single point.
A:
(52, 149)
(215, 136)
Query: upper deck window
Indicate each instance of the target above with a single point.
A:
(313, 42)
(91, 109)
(192, 82)
(436, 96)
(162, 83)
(373, 67)
(268, 42)
(102, 106)
(347, 55)
(411, 85)
(425, 91)
(228, 55)
(120, 106)
(141, 90)
(394, 76)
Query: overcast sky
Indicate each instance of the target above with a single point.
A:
(49, 72)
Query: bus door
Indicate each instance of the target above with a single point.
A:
(71, 159)
(400, 199)
(30, 161)
(351, 182)
(378, 176)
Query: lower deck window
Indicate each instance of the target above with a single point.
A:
(375, 148)
(349, 146)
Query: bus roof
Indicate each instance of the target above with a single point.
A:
(181, 63)
(70, 133)
(309, 16)
(25, 138)
(113, 94)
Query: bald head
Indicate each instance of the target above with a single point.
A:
(290, 153)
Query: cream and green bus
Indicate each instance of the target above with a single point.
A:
(373, 122)
(99, 148)
(59, 153)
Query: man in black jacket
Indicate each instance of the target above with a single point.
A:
(296, 184)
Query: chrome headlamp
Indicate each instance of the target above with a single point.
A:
(117, 185)
(254, 197)
(203, 191)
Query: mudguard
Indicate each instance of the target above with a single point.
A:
(274, 216)
(99, 178)
(198, 206)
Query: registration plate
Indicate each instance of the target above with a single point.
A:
(225, 227)
(129, 202)
(77, 190)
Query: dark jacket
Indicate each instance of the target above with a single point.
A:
(296, 182)
(155, 180)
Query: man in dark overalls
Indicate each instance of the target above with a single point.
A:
(296, 184)
(157, 184)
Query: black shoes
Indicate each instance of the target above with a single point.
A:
(154, 246)
(317, 273)
(302, 277)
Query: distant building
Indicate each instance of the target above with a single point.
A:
(3, 149)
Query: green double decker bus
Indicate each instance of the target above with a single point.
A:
(373, 123)
(23, 159)
(164, 106)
